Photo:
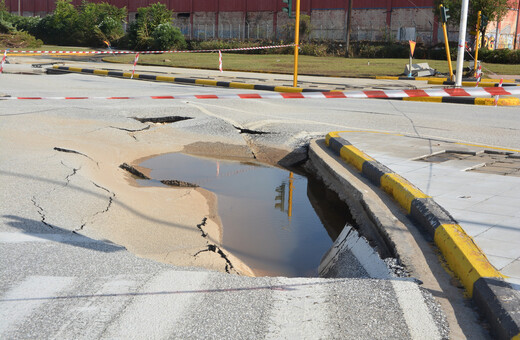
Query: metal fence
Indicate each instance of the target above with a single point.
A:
(227, 30)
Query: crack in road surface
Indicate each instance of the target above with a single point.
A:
(41, 212)
(202, 224)
(215, 249)
(163, 120)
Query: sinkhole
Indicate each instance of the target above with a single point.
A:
(278, 222)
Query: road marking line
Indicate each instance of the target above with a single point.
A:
(299, 313)
(18, 303)
(144, 317)
(416, 314)
(92, 317)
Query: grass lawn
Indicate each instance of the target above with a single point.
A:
(327, 66)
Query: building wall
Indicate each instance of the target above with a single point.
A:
(508, 32)
(253, 19)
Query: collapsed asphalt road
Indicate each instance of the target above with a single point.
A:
(60, 169)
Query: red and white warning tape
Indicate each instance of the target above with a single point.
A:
(500, 86)
(457, 92)
(153, 52)
(3, 62)
(135, 63)
(220, 61)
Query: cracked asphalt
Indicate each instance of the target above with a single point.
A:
(86, 253)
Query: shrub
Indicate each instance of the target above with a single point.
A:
(501, 56)
(165, 36)
(62, 26)
(19, 39)
(313, 49)
(100, 22)
(27, 24)
(142, 33)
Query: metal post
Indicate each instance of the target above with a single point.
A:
(447, 46)
(296, 42)
(477, 38)
(349, 23)
(462, 42)
(497, 33)
(448, 54)
(291, 187)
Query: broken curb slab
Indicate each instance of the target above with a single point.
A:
(207, 82)
(496, 298)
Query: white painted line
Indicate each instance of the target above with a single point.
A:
(91, 315)
(18, 303)
(416, 313)
(166, 297)
(300, 312)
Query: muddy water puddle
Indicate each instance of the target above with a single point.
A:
(267, 216)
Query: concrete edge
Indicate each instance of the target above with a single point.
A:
(495, 298)
(472, 83)
(504, 101)
(207, 82)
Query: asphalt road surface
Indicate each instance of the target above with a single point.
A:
(58, 284)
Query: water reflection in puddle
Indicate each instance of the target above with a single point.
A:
(268, 221)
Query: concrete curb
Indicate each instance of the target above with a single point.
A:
(495, 298)
(507, 101)
(169, 79)
(487, 83)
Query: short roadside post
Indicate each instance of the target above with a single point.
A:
(412, 49)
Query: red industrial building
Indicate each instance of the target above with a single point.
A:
(242, 19)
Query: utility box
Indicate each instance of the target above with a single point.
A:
(419, 70)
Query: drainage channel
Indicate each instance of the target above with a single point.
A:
(279, 223)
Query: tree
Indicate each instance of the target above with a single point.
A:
(62, 26)
(495, 10)
(100, 22)
(153, 29)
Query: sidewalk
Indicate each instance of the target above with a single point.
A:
(465, 197)
(485, 200)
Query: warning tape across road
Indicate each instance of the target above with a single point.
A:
(152, 52)
(454, 92)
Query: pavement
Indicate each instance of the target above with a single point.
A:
(71, 226)
(271, 301)
(476, 186)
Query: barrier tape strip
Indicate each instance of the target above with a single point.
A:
(456, 92)
(153, 52)
(3, 62)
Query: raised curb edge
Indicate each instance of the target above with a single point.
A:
(495, 298)
(180, 80)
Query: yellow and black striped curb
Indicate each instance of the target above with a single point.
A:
(495, 297)
(503, 101)
(180, 80)
(473, 83)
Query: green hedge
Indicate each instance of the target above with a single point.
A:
(500, 56)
